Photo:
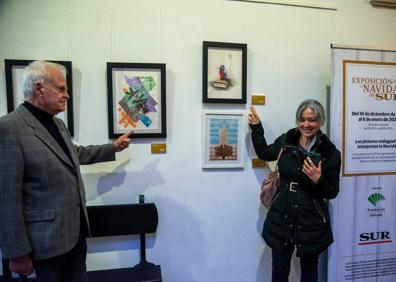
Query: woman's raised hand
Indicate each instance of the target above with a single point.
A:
(253, 117)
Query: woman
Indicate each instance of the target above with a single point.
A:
(298, 217)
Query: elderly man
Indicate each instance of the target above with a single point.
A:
(43, 216)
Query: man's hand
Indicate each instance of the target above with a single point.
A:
(122, 142)
(253, 116)
(21, 265)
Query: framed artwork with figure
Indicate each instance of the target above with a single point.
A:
(222, 144)
(136, 99)
(224, 72)
(14, 70)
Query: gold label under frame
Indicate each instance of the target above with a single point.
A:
(258, 163)
(258, 100)
(158, 148)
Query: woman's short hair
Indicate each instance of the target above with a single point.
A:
(37, 71)
(315, 106)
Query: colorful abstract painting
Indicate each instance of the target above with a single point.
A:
(137, 103)
(137, 99)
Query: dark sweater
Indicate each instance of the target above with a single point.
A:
(47, 120)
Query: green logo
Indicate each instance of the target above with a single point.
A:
(375, 198)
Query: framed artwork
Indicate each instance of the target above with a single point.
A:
(14, 70)
(224, 72)
(222, 133)
(136, 99)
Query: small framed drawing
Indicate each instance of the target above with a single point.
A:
(136, 99)
(222, 133)
(224, 72)
(14, 70)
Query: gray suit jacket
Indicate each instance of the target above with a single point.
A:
(41, 190)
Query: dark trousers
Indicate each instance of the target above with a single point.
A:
(69, 267)
(281, 266)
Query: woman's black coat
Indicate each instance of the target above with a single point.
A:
(299, 214)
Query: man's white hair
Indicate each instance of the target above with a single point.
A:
(38, 71)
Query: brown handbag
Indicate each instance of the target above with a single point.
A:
(270, 186)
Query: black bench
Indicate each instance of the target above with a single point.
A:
(130, 219)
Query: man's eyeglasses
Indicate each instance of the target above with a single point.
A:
(59, 88)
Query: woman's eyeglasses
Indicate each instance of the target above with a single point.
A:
(308, 119)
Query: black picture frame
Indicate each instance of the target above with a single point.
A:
(15, 68)
(144, 114)
(220, 58)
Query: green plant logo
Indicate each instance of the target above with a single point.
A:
(375, 198)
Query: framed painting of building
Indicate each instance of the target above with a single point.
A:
(222, 145)
(136, 99)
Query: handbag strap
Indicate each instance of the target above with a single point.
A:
(277, 160)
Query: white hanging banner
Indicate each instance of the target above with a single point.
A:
(369, 118)
(363, 127)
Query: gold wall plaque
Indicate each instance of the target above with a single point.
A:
(258, 100)
(258, 163)
(158, 148)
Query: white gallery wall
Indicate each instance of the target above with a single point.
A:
(209, 220)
